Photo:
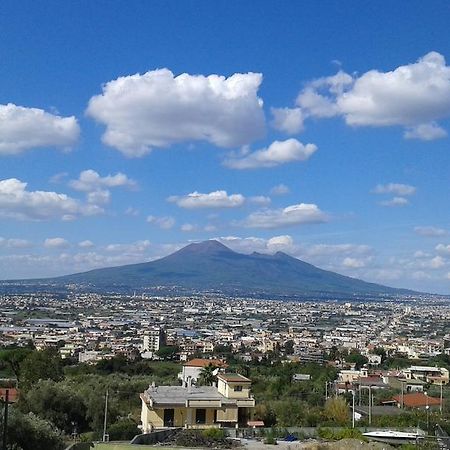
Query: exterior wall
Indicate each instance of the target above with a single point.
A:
(227, 415)
(227, 389)
(193, 372)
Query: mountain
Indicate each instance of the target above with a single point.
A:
(211, 265)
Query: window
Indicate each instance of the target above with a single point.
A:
(200, 415)
(238, 389)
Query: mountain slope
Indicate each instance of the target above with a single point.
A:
(211, 265)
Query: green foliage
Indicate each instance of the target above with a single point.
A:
(356, 358)
(207, 376)
(13, 358)
(167, 352)
(29, 432)
(214, 433)
(270, 438)
(337, 435)
(336, 409)
(123, 430)
(56, 403)
(41, 365)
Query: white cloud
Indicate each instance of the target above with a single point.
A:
(254, 244)
(299, 214)
(261, 200)
(100, 197)
(137, 247)
(425, 132)
(414, 96)
(394, 188)
(188, 227)
(443, 249)
(287, 120)
(86, 244)
(165, 222)
(89, 181)
(430, 231)
(18, 203)
(330, 250)
(158, 109)
(279, 152)
(23, 129)
(216, 199)
(280, 189)
(15, 243)
(353, 263)
(435, 263)
(395, 202)
(56, 242)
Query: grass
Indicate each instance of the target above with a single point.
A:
(127, 447)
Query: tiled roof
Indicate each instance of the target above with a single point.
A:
(417, 400)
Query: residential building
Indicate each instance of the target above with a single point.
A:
(228, 404)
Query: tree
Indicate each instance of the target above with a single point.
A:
(167, 352)
(29, 432)
(14, 357)
(41, 365)
(62, 406)
(336, 409)
(289, 347)
(207, 375)
(355, 357)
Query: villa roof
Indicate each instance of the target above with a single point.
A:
(234, 378)
(178, 395)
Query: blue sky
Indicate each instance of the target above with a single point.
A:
(128, 129)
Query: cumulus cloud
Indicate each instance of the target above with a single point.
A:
(353, 263)
(279, 152)
(158, 109)
(329, 250)
(414, 96)
(255, 244)
(395, 202)
(394, 188)
(137, 247)
(280, 189)
(18, 203)
(443, 249)
(23, 129)
(430, 231)
(261, 200)
(303, 213)
(216, 199)
(15, 243)
(56, 242)
(164, 222)
(287, 120)
(86, 244)
(89, 180)
(425, 132)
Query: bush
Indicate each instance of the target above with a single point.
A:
(214, 433)
(123, 430)
(337, 435)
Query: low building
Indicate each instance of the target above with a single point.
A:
(435, 375)
(228, 404)
(416, 400)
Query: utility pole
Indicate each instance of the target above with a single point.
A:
(5, 420)
(326, 390)
(106, 417)
(370, 405)
(440, 404)
(353, 407)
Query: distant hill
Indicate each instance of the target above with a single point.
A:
(210, 265)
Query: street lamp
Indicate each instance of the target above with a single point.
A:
(427, 407)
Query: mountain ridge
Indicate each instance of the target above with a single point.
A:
(210, 265)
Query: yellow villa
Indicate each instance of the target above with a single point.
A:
(227, 404)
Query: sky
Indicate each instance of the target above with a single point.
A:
(129, 129)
